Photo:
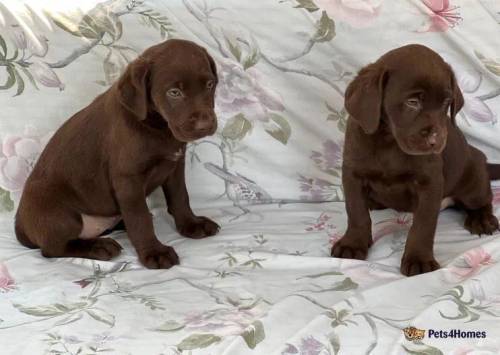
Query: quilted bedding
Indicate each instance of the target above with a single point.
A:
(270, 176)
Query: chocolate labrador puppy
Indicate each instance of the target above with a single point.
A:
(404, 151)
(102, 163)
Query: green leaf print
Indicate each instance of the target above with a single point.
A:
(237, 127)
(29, 76)
(309, 5)
(315, 276)
(279, 128)
(55, 309)
(169, 326)
(197, 341)
(11, 80)
(6, 203)
(231, 260)
(467, 310)
(345, 285)
(234, 48)
(3, 46)
(251, 59)
(338, 317)
(254, 263)
(254, 334)
(158, 21)
(335, 342)
(64, 23)
(325, 29)
(492, 65)
(69, 319)
(101, 316)
(425, 350)
(338, 116)
(20, 83)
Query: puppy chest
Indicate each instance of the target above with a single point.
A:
(392, 191)
(158, 173)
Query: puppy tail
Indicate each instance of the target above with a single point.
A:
(494, 171)
(22, 237)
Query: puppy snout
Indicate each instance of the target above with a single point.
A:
(431, 136)
(203, 121)
(432, 139)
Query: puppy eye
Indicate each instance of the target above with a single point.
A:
(413, 103)
(210, 84)
(175, 93)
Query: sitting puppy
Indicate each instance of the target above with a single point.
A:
(404, 151)
(101, 164)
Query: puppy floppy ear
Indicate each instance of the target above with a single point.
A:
(457, 98)
(132, 88)
(213, 67)
(364, 96)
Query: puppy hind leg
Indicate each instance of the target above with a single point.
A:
(59, 238)
(481, 220)
(477, 203)
(22, 237)
(475, 196)
(98, 249)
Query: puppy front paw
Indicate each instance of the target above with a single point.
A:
(198, 227)
(481, 222)
(352, 246)
(161, 257)
(412, 265)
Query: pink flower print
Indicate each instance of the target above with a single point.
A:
(6, 281)
(469, 82)
(17, 36)
(463, 350)
(357, 13)
(310, 346)
(18, 155)
(33, 41)
(290, 349)
(496, 195)
(442, 16)
(471, 262)
(321, 223)
(45, 75)
(245, 91)
(400, 222)
(334, 237)
(330, 159)
(223, 322)
(317, 188)
(83, 283)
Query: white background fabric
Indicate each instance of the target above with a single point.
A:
(266, 283)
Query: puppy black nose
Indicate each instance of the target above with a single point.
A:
(202, 122)
(432, 139)
(430, 135)
(425, 132)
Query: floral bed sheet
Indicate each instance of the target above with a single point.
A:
(266, 284)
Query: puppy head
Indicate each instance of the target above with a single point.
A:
(414, 92)
(177, 79)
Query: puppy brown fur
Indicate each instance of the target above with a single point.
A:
(103, 162)
(404, 151)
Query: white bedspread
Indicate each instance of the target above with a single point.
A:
(270, 176)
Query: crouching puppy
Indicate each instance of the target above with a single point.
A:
(101, 164)
(404, 151)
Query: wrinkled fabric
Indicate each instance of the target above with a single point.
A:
(271, 176)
